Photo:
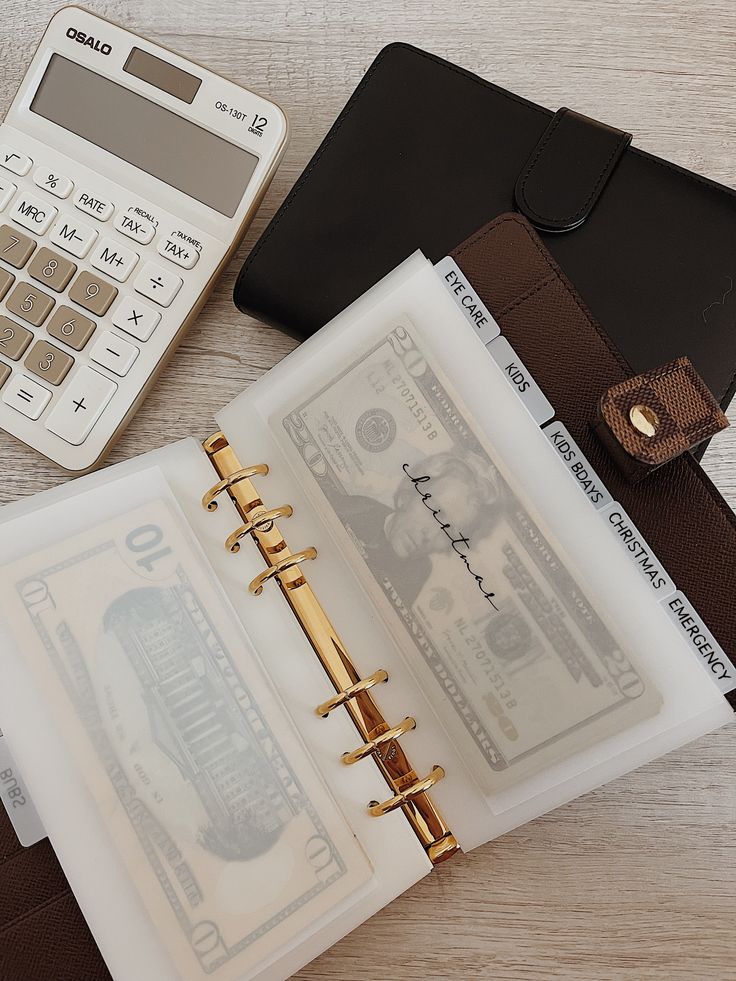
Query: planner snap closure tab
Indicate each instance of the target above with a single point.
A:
(644, 419)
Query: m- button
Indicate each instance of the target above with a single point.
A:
(99, 208)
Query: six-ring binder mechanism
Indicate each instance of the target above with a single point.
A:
(380, 740)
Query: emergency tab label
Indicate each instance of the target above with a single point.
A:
(475, 312)
(701, 641)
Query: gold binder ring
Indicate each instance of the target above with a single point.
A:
(370, 747)
(288, 562)
(364, 684)
(262, 521)
(420, 787)
(209, 502)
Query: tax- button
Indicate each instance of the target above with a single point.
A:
(113, 259)
(26, 396)
(157, 284)
(99, 208)
(135, 227)
(33, 213)
(81, 404)
(178, 251)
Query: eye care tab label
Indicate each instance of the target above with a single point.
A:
(519, 377)
(23, 815)
(474, 310)
(621, 525)
(585, 476)
(701, 641)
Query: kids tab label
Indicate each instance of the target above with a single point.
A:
(474, 310)
(518, 376)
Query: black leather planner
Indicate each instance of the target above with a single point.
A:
(650, 247)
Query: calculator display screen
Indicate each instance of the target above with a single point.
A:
(156, 140)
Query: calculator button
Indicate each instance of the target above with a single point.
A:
(113, 353)
(134, 227)
(113, 259)
(56, 184)
(19, 163)
(70, 327)
(99, 208)
(4, 374)
(15, 247)
(33, 213)
(92, 293)
(48, 362)
(73, 236)
(135, 318)
(29, 303)
(6, 281)
(178, 252)
(14, 339)
(81, 404)
(52, 269)
(7, 190)
(26, 396)
(157, 284)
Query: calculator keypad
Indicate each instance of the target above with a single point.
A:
(114, 259)
(14, 339)
(29, 303)
(6, 281)
(48, 362)
(26, 396)
(68, 338)
(92, 293)
(15, 247)
(73, 236)
(33, 213)
(52, 269)
(71, 327)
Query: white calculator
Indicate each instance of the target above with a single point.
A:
(128, 176)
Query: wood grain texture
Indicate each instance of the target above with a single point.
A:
(635, 881)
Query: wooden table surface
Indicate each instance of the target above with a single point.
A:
(636, 880)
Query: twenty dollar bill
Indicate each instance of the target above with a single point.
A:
(500, 634)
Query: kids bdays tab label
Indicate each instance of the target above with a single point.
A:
(519, 378)
(701, 641)
(23, 815)
(474, 310)
(585, 476)
(649, 566)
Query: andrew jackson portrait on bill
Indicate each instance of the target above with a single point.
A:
(499, 632)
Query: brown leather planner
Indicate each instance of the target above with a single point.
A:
(43, 935)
